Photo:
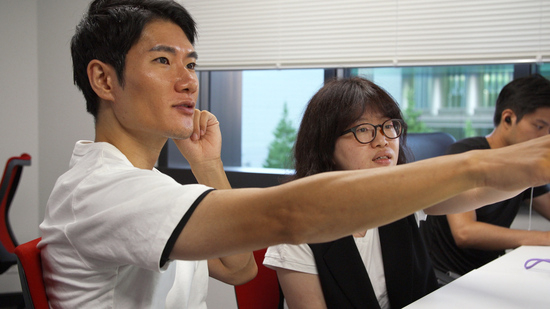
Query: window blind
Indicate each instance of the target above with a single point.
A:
(270, 34)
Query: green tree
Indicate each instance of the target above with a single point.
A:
(469, 130)
(411, 116)
(280, 149)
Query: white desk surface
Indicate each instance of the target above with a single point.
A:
(503, 283)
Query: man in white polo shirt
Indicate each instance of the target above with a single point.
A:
(120, 234)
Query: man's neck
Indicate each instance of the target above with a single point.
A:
(141, 152)
(496, 139)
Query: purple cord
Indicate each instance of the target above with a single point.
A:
(534, 262)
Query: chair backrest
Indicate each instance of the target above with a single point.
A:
(262, 291)
(29, 264)
(429, 145)
(10, 181)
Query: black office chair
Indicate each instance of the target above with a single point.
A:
(428, 145)
(425, 146)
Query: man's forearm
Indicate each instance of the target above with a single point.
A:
(375, 197)
(485, 236)
(470, 200)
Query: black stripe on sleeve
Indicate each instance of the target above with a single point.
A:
(177, 231)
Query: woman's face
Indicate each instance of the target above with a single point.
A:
(349, 154)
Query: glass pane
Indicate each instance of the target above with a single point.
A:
(259, 113)
(544, 69)
(458, 100)
(273, 102)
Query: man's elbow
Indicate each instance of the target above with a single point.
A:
(462, 239)
(242, 276)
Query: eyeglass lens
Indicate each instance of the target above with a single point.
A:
(367, 132)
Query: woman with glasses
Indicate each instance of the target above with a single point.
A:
(353, 124)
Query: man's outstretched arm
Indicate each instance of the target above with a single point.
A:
(327, 206)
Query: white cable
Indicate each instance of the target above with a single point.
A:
(530, 208)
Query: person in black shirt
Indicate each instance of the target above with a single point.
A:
(459, 243)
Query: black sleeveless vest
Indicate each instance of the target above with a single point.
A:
(407, 268)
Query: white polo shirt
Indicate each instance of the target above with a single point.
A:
(106, 226)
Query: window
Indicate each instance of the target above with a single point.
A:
(252, 105)
(544, 69)
(273, 100)
(459, 100)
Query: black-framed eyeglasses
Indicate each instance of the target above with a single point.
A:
(366, 132)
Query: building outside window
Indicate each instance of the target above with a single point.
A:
(459, 100)
(544, 69)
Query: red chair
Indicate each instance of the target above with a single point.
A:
(29, 264)
(262, 292)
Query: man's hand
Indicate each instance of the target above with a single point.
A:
(516, 167)
(205, 143)
(203, 150)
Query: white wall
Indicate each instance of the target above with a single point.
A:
(61, 107)
(43, 113)
(19, 115)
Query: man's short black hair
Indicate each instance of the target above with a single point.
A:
(523, 96)
(108, 31)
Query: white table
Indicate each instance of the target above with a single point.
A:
(502, 283)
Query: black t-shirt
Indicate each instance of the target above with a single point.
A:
(445, 254)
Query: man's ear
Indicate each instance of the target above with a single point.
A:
(102, 78)
(508, 117)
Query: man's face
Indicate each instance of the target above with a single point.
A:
(160, 84)
(531, 126)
